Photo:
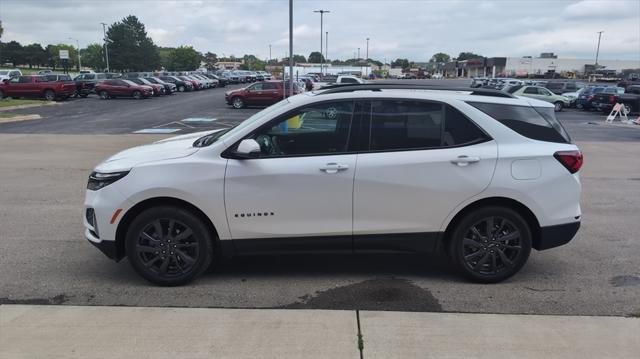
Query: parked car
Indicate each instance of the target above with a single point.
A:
(9, 74)
(35, 86)
(85, 83)
(122, 88)
(586, 97)
(169, 88)
(629, 98)
(426, 174)
(477, 82)
(181, 85)
(573, 96)
(222, 82)
(558, 87)
(540, 93)
(197, 85)
(626, 83)
(210, 83)
(261, 94)
(158, 90)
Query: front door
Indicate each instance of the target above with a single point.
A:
(298, 192)
(423, 160)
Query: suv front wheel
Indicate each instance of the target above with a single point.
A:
(169, 246)
(490, 244)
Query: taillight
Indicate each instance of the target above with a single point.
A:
(589, 97)
(612, 98)
(571, 160)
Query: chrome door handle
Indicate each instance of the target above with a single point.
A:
(465, 160)
(334, 167)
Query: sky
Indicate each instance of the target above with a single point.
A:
(413, 29)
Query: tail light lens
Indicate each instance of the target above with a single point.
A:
(589, 98)
(612, 98)
(571, 160)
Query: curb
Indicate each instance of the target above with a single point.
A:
(19, 118)
(20, 107)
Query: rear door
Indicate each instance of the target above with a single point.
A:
(421, 161)
(272, 95)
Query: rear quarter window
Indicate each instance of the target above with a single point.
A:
(536, 123)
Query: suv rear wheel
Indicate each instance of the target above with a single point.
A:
(169, 245)
(490, 244)
(103, 95)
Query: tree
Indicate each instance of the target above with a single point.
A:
(467, 56)
(1, 29)
(402, 63)
(12, 52)
(316, 57)
(34, 54)
(183, 58)
(130, 49)
(440, 57)
(299, 58)
(93, 57)
(53, 56)
(210, 60)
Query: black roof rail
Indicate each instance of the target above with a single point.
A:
(395, 86)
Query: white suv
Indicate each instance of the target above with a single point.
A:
(478, 174)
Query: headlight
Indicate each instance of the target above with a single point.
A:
(99, 180)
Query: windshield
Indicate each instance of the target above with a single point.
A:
(211, 138)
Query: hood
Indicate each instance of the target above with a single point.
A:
(170, 148)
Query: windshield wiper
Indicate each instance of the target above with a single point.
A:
(207, 140)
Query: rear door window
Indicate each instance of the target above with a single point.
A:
(536, 123)
(405, 125)
(531, 91)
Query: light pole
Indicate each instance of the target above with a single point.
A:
(79, 62)
(322, 12)
(269, 52)
(358, 54)
(326, 47)
(106, 47)
(290, 47)
(598, 50)
(367, 57)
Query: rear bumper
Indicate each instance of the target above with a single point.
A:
(555, 236)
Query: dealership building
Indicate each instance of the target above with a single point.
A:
(531, 66)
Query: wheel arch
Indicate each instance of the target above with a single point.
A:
(133, 212)
(510, 203)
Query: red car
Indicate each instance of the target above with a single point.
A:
(157, 89)
(37, 86)
(260, 93)
(122, 88)
(197, 85)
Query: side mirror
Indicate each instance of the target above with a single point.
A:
(248, 148)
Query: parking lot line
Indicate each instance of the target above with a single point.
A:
(158, 130)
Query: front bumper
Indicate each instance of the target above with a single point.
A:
(555, 236)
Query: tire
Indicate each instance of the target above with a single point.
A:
(49, 95)
(557, 106)
(181, 88)
(84, 95)
(490, 259)
(103, 95)
(627, 108)
(1, 94)
(137, 95)
(580, 106)
(237, 103)
(151, 255)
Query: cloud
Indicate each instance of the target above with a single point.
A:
(397, 29)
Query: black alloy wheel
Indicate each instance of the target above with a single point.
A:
(103, 95)
(169, 246)
(491, 244)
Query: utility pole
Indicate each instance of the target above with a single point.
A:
(79, 62)
(322, 12)
(358, 54)
(290, 47)
(269, 52)
(106, 47)
(598, 50)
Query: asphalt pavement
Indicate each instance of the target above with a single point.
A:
(44, 258)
